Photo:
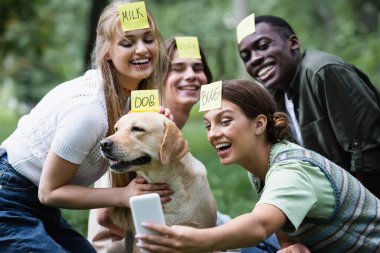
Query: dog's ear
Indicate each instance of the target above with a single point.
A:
(174, 145)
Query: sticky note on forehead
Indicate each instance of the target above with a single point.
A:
(245, 27)
(144, 101)
(188, 47)
(133, 16)
(211, 96)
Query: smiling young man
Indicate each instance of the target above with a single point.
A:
(183, 82)
(333, 107)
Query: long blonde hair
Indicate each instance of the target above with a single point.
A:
(109, 26)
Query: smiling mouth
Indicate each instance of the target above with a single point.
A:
(189, 87)
(223, 147)
(139, 62)
(265, 70)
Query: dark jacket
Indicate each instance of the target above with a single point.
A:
(338, 110)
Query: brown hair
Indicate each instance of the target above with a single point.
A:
(254, 99)
(171, 47)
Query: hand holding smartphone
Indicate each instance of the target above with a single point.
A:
(146, 208)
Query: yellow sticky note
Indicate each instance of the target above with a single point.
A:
(188, 47)
(245, 27)
(133, 16)
(211, 96)
(144, 101)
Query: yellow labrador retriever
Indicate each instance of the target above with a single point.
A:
(152, 146)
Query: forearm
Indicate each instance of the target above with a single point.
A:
(243, 231)
(55, 189)
(80, 197)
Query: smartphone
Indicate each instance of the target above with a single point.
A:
(146, 208)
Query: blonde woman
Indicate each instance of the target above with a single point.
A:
(52, 157)
(182, 84)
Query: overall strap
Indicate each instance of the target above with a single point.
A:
(304, 155)
(330, 169)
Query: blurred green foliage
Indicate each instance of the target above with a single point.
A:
(40, 44)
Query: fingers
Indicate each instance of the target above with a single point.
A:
(140, 186)
(166, 112)
(295, 248)
(140, 180)
(156, 243)
(170, 239)
(143, 185)
(154, 188)
(153, 248)
(166, 198)
(161, 229)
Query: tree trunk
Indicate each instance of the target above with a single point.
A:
(96, 9)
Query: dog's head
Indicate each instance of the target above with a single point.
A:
(142, 139)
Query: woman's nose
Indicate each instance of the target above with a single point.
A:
(141, 47)
(213, 132)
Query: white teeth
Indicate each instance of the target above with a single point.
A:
(264, 70)
(114, 161)
(140, 61)
(222, 145)
(188, 88)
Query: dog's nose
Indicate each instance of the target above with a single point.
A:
(106, 144)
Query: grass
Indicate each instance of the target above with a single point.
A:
(8, 122)
(229, 184)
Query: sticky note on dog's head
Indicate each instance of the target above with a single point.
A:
(144, 100)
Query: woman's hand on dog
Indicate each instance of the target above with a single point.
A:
(104, 219)
(166, 112)
(139, 186)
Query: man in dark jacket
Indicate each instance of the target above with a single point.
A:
(332, 106)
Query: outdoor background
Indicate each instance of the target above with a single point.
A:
(43, 43)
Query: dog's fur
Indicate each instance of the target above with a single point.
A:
(152, 146)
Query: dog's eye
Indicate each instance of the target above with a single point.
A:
(138, 129)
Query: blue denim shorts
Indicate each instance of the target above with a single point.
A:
(270, 245)
(26, 225)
